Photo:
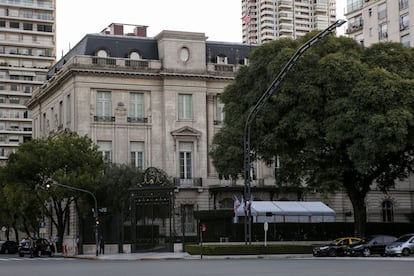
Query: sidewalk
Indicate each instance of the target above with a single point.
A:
(178, 256)
(153, 256)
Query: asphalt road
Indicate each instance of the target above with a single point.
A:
(237, 267)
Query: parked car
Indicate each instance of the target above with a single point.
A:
(35, 247)
(336, 247)
(374, 244)
(8, 247)
(403, 246)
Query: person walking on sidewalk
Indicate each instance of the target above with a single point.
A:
(101, 245)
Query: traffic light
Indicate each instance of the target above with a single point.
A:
(97, 222)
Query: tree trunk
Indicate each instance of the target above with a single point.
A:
(360, 211)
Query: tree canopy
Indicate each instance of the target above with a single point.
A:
(342, 118)
(67, 159)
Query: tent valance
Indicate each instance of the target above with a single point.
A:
(288, 211)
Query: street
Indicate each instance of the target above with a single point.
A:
(15, 266)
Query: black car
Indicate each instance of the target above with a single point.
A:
(35, 247)
(335, 248)
(8, 247)
(374, 244)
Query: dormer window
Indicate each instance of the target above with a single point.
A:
(102, 53)
(135, 56)
(221, 59)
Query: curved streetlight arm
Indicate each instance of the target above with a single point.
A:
(258, 106)
(95, 211)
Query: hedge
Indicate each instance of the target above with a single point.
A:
(254, 249)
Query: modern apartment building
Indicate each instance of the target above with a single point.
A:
(373, 21)
(27, 50)
(266, 20)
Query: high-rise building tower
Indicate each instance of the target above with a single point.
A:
(27, 50)
(266, 20)
(373, 21)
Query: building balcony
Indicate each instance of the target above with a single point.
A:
(104, 118)
(188, 182)
(137, 120)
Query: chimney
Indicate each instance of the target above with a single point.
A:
(116, 29)
(140, 31)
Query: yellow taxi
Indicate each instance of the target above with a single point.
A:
(335, 248)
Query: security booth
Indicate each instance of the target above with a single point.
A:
(151, 213)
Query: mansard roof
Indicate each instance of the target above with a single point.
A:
(121, 46)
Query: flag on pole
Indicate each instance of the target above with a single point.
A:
(247, 18)
(236, 204)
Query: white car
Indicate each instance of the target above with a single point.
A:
(403, 246)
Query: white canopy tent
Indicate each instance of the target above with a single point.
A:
(289, 211)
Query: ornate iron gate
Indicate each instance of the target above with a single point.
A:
(152, 218)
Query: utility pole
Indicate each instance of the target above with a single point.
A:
(252, 115)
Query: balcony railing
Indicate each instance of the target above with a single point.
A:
(104, 118)
(188, 182)
(137, 120)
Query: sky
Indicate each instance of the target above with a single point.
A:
(220, 20)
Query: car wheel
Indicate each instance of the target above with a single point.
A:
(405, 252)
(366, 252)
(21, 254)
(6, 251)
(332, 253)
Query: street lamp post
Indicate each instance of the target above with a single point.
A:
(50, 183)
(252, 115)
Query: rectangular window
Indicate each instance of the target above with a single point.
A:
(15, 25)
(187, 215)
(105, 148)
(404, 22)
(44, 28)
(219, 111)
(14, 100)
(137, 155)
(405, 40)
(60, 117)
(68, 109)
(103, 105)
(186, 165)
(382, 11)
(185, 107)
(403, 4)
(383, 31)
(27, 26)
(136, 106)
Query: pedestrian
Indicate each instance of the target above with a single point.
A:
(101, 245)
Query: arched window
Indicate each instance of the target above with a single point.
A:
(134, 55)
(387, 211)
(102, 53)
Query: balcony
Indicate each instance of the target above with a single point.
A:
(137, 120)
(188, 182)
(104, 118)
(354, 27)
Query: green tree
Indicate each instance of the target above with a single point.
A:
(342, 119)
(114, 189)
(67, 159)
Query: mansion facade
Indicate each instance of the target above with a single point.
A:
(154, 102)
